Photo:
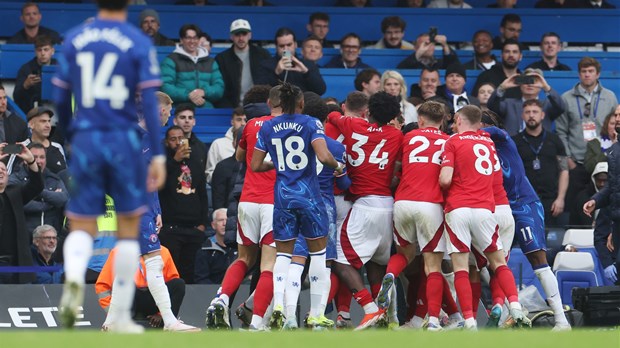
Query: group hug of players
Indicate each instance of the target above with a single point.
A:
(341, 189)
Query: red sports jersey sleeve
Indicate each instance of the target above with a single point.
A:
(421, 161)
(372, 152)
(257, 187)
(473, 160)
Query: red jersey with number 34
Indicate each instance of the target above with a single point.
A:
(372, 152)
(421, 161)
(474, 162)
(257, 187)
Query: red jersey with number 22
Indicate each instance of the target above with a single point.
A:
(372, 152)
(474, 161)
(257, 187)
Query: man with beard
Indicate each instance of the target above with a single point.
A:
(544, 159)
(149, 23)
(483, 58)
(511, 56)
(393, 29)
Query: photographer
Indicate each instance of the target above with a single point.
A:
(423, 57)
(28, 82)
(510, 109)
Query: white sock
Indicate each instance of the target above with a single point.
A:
(249, 303)
(77, 250)
(225, 298)
(450, 279)
(158, 289)
(280, 274)
(293, 288)
(328, 284)
(550, 285)
(257, 321)
(370, 308)
(318, 281)
(125, 267)
(417, 321)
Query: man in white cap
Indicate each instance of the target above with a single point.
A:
(149, 22)
(239, 64)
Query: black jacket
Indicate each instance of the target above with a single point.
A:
(602, 230)
(15, 128)
(542, 65)
(212, 261)
(25, 98)
(337, 63)
(21, 38)
(496, 76)
(161, 40)
(474, 64)
(223, 182)
(311, 81)
(412, 62)
(609, 196)
(231, 66)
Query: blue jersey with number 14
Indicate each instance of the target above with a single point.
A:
(104, 63)
(288, 140)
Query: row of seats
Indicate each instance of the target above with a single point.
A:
(458, 25)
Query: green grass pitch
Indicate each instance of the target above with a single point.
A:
(535, 338)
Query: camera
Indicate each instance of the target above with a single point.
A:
(525, 79)
(432, 32)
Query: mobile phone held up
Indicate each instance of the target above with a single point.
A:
(525, 80)
(432, 32)
(12, 149)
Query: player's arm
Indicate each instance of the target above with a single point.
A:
(445, 177)
(258, 163)
(398, 167)
(62, 98)
(447, 163)
(557, 207)
(324, 156)
(338, 120)
(241, 151)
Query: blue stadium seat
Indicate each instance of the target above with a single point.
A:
(567, 280)
(522, 270)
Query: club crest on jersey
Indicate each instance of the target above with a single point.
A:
(153, 238)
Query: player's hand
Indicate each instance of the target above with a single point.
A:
(155, 320)
(157, 174)
(158, 223)
(589, 207)
(509, 82)
(610, 242)
(339, 170)
(557, 207)
(298, 65)
(31, 80)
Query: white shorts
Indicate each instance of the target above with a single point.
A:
(506, 224)
(342, 209)
(419, 222)
(366, 233)
(472, 227)
(254, 224)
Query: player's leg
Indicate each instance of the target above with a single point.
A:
(293, 283)
(549, 282)
(434, 285)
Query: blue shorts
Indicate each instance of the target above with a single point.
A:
(530, 226)
(148, 238)
(107, 162)
(301, 247)
(310, 223)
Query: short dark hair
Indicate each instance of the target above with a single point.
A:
(171, 129)
(43, 40)
(550, 34)
(587, 62)
(432, 111)
(511, 42)
(531, 102)
(256, 94)
(365, 76)
(206, 36)
(186, 27)
(290, 95)
(321, 16)
(350, 35)
(356, 101)
(315, 106)
(283, 31)
(30, 4)
(430, 70)
(237, 111)
(510, 18)
(312, 38)
(471, 113)
(333, 107)
(112, 4)
(183, 107)
(482, 32)
(393, 21)
(384, 107)
(37, 146)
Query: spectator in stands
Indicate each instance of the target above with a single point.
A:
(423, 57)
(189, 75)
(594, 4)
(46, 208)
(503, 4)
(484, 93)
(213, 259)
(510, 109)
(454, 90)
(31, 17)
(368, 81)
(544, 159)
(44, 243)
(393, 29)
(605, 245)
(598, 180)
(144, 306)
(185, 118)
(312, 49)
(410, 3)
(14, 239)
(283, 67)
(587, 104)
(150, 24)
(13, 129)
(483, 58)
(222, 148)
(27, 91)
(353, 3)
(448, 4)
(349, 57)
(205, 41)
(511, 56)
(393, 83)
(318, 25)
(239, 64)
(596, 149)
(426, 88)
(224, 176)
(510, 28)
(550, 45)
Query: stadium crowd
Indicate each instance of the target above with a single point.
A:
(214, 211)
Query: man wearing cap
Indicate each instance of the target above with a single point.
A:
(28, 82)
(510, 109)
(239, 64)
(454, 91)
(149, 22)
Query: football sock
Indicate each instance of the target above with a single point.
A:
(507, 283)
(77, 251)
(550, 285)
(476, 292)
(293, 287)
(364, 298)
(375, 288)
(396, 265)
(264, 293)
(434, 293)
(497, 294)
(317, 273)
(463, 291)
(326, 290)
(343, 299)
(448, 304)
(125, 267)
(158, 289)
(422, 305)
(233, 278)
(333, 287)
(280, 274)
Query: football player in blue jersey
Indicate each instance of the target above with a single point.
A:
(529, 218)
(103, 64)
(295, 142)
